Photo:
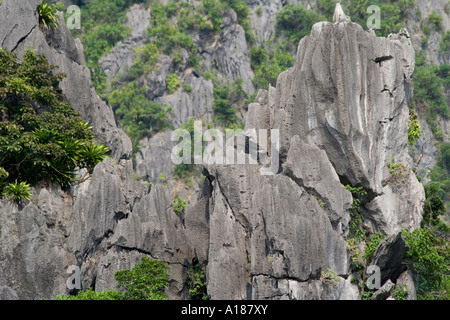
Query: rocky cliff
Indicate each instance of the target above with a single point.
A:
(342, 113)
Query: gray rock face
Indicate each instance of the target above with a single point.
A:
(389, 257)
(384, 292)
(58, 229)
(342, 114)
(425, 7)
(122, 55)
(62, 50)
(33, 252)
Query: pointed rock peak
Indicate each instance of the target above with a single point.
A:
(339, 15)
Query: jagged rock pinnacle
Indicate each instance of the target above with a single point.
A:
(339, 15)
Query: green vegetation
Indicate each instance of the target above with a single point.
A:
(196, 280)
(41, 136)
(146, 281)
(428, 256)
(434, 206)
(137, 115)
(329, 277)
(398, 171)
(394, 13)
(295, 22)
(356, 219)
(444, 45)
(268, 61)
(430, 82)
(227, 100)
(435, 20)
(186, 171)
(91, 295)
(17, 191)
(173, 83)
(372, 244)
(179, 205)
(47, 15)
(400, 292)
(101, 29)
(146, 57)
(414, 130)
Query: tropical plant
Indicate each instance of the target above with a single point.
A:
(398, 171)
(414, 131)
(92, 154)
(47, 15)
(196, 280)
(146, 281)
(356, 220)
(400, 292)
(92, 295)
(179, 205)
(227, 99)
(173, 83)
(372, 244)
(17, 191)
(428, 258)
(41, 136)
(137, 115)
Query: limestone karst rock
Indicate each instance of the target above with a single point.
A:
(342, 113)
(339, 15)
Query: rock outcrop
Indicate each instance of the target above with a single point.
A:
(342, 114)
(61, 228)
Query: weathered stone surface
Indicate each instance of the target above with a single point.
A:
(123, 55)
(342, 114)
(346, 130)
(33, 251)
(389, 257)
(17, 22)
(62, 50)
(384, 292)
(407, 279)
(287, 289)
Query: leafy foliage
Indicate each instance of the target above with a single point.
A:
(91, 295)
(400, 292)
(146, 281)
(398, 171)
(372, 244)
(47, 15)
(428, 257)
(414, 132)
(17, 191)
(137, 115)
(444, 45)
(179, 205)
(268, 61)
(196, 280)
(41, 136)
(173, 82)
(101, 30)
(295, 22)
(356, 219)
(227, 99)
(394, 13)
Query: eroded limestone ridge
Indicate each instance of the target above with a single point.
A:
(342, 112)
